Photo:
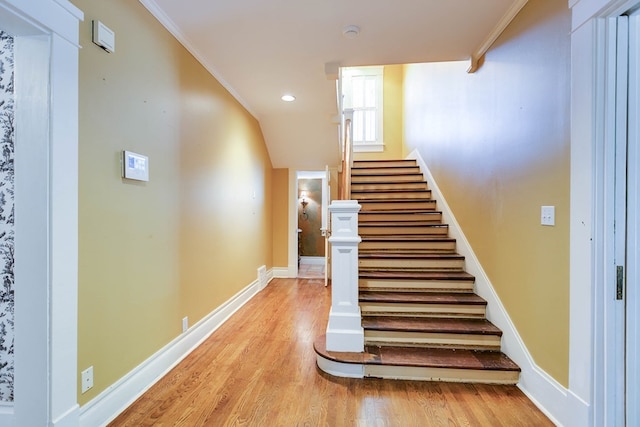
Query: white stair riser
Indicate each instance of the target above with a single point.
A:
(378, 164)
(390, 186)
(419, 246)
(429, 310)
(390, 171)
(377, 205)
(420, 195)
(413, 285)
(440, 264)
(359, 179)
(433, 339)
(392, 231)
(381, 217)
(441, 374)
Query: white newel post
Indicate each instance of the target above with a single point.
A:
(344, 331)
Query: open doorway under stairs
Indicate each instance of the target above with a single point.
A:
(311, 270)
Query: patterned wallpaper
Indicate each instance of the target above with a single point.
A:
(6, 217)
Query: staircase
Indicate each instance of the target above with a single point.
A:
(421, 318)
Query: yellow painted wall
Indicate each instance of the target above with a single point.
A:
(195, 234)
(497, 142)
(392, 129)
(280, 186)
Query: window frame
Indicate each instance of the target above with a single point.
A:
(348, 73)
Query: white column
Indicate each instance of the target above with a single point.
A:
(344, 331)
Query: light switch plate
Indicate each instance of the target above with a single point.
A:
(548, 215)
(86, 379)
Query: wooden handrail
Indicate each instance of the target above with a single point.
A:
(347, 157)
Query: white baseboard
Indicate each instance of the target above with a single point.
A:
(578, 411)
(115, 399)
(339, 369)
(71, 418)
(316, 260)
(545, 392)
(281, 272)
(6, 415)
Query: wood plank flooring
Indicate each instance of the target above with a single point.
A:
(259, 369)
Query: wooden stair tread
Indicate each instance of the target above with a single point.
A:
(430, 324)
(385, 178)
(383, 161)
(389, 172)
(413, 238)
(423, 275)
(356, 167)
(440, 358)
(395, 200)
(390, 190)
(421, 297)
(408, 251)
(374, 224)
(396, 223)
(420, 357)
(408, 212)
(373, 205)
(386, 181)
(409, 255)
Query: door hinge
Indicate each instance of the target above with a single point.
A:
(619, 282)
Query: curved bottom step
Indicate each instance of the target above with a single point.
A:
(421, 364)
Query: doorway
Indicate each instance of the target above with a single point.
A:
(311, 201)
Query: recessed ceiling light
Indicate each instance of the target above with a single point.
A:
(351, 31)
(288, 98)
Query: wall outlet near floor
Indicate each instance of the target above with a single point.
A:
(185, 323)
(548, 215)
(86, 378)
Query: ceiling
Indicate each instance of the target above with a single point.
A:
(260, 50)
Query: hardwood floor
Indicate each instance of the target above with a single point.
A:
(258, 369)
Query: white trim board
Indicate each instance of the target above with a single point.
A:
(281, 272)
(544, 391)
(116, 398)
(315, 260)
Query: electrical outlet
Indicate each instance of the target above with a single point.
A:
(548, 215)
(185, 324)
(86, 379)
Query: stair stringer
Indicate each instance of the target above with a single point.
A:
(543, 390)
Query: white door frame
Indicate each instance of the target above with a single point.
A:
(633, 227)
(613, 332)
(46, 205)
(592, 269)
(615, 150)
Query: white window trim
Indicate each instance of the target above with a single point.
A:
(377, 71)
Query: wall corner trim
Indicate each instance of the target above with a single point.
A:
(105, 407)
(493, 35)
(544, 391)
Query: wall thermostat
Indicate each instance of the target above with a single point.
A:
(135, 166)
